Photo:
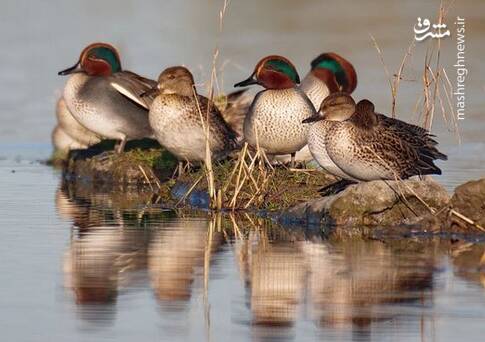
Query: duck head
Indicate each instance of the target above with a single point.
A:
(335, 71)
(273, 72)
(174, 80)
(336, 107)
(365, 106)
(98, 59)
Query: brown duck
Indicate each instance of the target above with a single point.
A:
(354, 142)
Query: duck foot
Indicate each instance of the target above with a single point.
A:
(292, 161)
(121, 146)
(335, 188)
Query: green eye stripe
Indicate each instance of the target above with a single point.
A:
(109, 56)
(284, 67)
(331, 65)
(336, 69)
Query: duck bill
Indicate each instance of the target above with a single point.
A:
(74, 69)
(150, 92)
(313, 118)
(251, 80)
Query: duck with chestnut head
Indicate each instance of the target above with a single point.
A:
(179, 117)
(329, 73)
(274, 120)
(354, 142)
(96, 105)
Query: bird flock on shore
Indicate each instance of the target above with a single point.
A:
(315, 118)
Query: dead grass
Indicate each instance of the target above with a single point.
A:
(436, 92)
(436, 95)
(246, 183)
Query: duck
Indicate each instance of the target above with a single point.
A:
(274, 119)
(63, 142)
(96, 105)
(329, 73)
(355, 143)
(72, 127)
(177, 115)
(234, 107)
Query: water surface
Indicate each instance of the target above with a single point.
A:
(83, 265)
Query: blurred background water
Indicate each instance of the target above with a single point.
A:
(80, 267)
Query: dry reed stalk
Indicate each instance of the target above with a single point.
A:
(155, 179)
(386, 70)
(303, 170)
(466, 219)
(241, 155)
(448, 91)
(433, 78)
(214, 195)
(207, 260)
(235, 226)
(146, 177)
(184, 197)
(397, 77)
(250, 172)
(219, 199)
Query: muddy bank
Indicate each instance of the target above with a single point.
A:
(143, 164)
(289, 196)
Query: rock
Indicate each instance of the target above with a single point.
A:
(143, 163)
(469, 200)
(372, 203)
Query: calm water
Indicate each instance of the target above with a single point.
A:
(80, 265)
(85, 265)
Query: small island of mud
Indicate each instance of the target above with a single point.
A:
(246, 182)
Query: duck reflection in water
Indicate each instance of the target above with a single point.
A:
(101, 261)
(469, 261)
(110, 243)
(106, 246)
(274, 275)
(354, 282)
(176, 256)
(338, 282)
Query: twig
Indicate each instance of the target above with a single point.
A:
(189, 191)
(467, 219)
(146, 177)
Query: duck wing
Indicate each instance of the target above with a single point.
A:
(218, 126)
(406, 149)
(416, 136)
(133, 86)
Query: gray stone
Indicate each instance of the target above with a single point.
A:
(373, 203)
(469, 200)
